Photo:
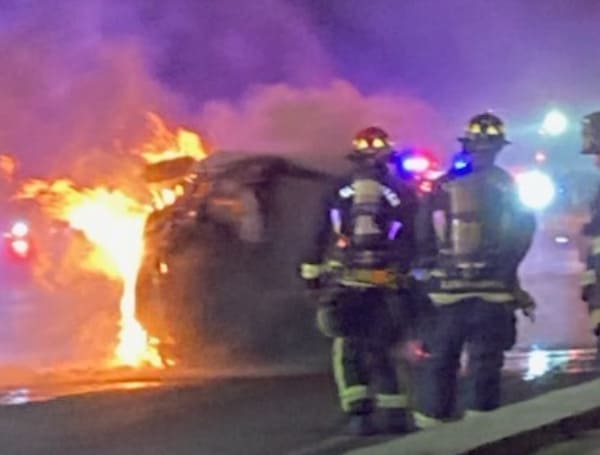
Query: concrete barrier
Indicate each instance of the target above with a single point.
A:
(521, 428)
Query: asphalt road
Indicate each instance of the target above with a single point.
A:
(260, 415)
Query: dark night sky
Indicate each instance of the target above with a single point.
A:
(457, 54)
(468, 52)
(457, 57)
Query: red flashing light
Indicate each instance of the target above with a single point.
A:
(426, 186)
(20, 247)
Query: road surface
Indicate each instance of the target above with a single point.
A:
(220, 416)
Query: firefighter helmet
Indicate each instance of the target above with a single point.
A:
(484, 132)
(591, 134)
(371, 141)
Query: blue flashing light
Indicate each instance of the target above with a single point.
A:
(461, 163)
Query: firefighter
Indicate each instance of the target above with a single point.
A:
(472, 234)
(590, 280)
(359, 267)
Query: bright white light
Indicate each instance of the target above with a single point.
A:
(538, 364)
(416, 164)
(20, 247)
(536, 189)
(19, 229)
(562, 239)
(555, 123)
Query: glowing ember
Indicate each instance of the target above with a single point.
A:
(114, 224)
(165, 197)
(167, 145)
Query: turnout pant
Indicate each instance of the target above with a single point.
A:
(486, 329)
(365, 325)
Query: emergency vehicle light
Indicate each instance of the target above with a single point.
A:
(461, 163)
(555, 123)
(536, 190)
(20, 247)
(416, 164)
(19, 229)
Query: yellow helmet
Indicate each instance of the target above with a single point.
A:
(371, 141)
(485, 131)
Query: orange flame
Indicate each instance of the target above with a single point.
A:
(114, 223)
(165, 197)
(167, 145)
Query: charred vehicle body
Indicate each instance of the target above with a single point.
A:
(220, 273)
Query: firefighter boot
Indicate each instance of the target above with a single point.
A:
(360, 425)
(397, 421)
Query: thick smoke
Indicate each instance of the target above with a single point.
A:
(216, 49)
(79, 75)
(315, 126)
(69, 94)
(83, 75)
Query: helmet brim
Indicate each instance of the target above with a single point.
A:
(464, 140)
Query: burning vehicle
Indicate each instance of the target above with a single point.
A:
(105, 222)
(220, 265)
(201, 250)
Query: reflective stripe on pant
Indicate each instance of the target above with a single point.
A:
(367, 324)
(442, 298)
(487, 329)
(588, 278)
(350, 375)
(391, 401)
(355, 363)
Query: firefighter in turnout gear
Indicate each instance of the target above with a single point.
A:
(359, 267)
(591, 278)
(472, 234)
